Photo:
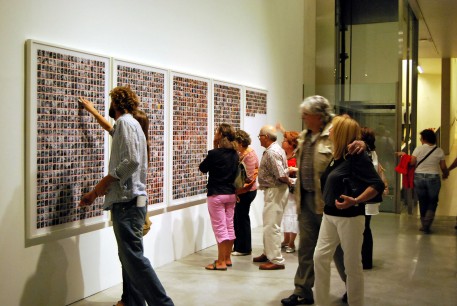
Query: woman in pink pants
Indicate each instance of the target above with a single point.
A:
(221, 164)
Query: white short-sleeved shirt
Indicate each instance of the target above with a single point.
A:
(432, 164)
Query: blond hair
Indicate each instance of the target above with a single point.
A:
(344, 131)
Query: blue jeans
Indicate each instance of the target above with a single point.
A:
(140, 280)
(427, 187)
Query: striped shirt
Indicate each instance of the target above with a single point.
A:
(306, 171)
(128, 161)
(252, 163)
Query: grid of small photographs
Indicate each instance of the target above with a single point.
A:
(256, 102)
(70, 150)
(227, 105)
(149, 85)
(190, 130)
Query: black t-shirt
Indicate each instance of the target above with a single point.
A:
(361, 166)
(221, 165)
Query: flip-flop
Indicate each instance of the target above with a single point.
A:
(214, 267)
(229, 265)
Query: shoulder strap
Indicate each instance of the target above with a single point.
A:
(426, 156)
(248, 150)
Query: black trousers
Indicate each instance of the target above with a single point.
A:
(367, 246)
(242, 223)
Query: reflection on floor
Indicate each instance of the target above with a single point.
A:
(410, 268)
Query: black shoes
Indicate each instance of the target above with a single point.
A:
(344, 299)
(296, 300)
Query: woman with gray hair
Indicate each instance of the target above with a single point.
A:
(313, 156)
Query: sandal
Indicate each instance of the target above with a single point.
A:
(214, 267)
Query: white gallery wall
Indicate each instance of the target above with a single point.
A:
(255, 43)
(453, 107)
(428, 98)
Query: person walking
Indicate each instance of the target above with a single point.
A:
(313, 155)
(343, 220)
(429, 161)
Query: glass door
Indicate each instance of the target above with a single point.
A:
(369, 45)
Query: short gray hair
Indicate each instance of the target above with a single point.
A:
(270, 131)
(317, 105)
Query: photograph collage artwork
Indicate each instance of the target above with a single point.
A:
(68, 151)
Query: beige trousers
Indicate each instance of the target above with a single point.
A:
(275, 201)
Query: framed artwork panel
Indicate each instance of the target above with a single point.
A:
(66, 148)
(189, 141)
(256, 102)
(227, 104)
(151, 86)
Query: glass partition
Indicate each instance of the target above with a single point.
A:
(369, 52)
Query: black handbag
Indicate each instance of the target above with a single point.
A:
(292, 188)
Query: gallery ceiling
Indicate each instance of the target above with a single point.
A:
(437, 27)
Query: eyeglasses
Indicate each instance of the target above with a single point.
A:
(261, 135)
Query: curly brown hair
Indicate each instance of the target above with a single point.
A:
(227, 137)
(292, 138)
(124, 99)
(143, 120)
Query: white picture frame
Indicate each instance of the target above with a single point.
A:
(66, 150)
(151, 84)
(190, 136)
(228, 104)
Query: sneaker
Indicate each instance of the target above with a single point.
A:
(235, 253)
(290, 250)
(296, 300)
(344, 299)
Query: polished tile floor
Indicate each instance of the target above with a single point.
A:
(410, 268)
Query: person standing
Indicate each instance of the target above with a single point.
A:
(125, 195)
(344, 210)
(221, 164)
(289, 219)
(368, 136)
(143, 120)
(246, 194)
(314, 154)
(273, 180)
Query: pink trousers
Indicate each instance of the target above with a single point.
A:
(221, 211)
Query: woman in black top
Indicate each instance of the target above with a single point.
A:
(221, 164)
(343, 220)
